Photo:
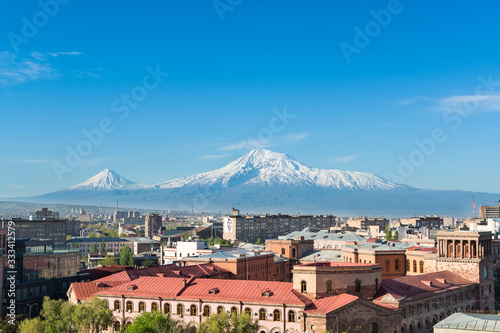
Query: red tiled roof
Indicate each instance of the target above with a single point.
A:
(417, 286)
(85, 290)
(100, 272)
(203, 270)
(228, 290)
(329, 304)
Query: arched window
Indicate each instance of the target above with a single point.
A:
(117, 306)
(303, 287)
(358, 285)
(408, 265)
(387, 265)
(116, 326)
(142, 307)
(248, 311)
(166, 308)
(374, 328)
(283, 251)
(180, 309)
(192, 310)
(291, 316)
(396, 265)
(276, 315)
(262, 314)
(154, 306)
(329, 286)
(234, 311)
(342, 328)
(358, 328)
(206, 311)
(422, 266)
(129, 306)
(294, 253)
(220, 309)
(414, 266)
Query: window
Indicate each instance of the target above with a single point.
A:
(414, 266)
(262, 314)
(374, 328)
(408, 265)
(206, 311)
(166, 308)
(358, 285)
(116, 326)
(130, 307)
(329, 286)
(283, 251)
(234, 311)
(376, 284)
(180, 309)
(396, 265)
(303, 287)
(291, 316)
(142, 307)
(220, 309)
(154, 306)
(117, 306)
(277, 315)
(248, 311)
(293, 252)
(358, 329)
(387, 265)
(422, 266)
(192, 310)
(342, 328)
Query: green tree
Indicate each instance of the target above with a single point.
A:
(34, 325)
(126, 257)
(57, 315)
(222, 323)
(92, 316)
(259, 241)
(9, 325)
(156, 322)
(150, 262)
(75, 245)
(103, 246)
(396, 235)
(109, 260)
(91, 235)
(388, 232)
(185, 236)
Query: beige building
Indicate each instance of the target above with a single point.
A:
(490, 212)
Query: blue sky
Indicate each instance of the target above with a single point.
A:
(231, 66)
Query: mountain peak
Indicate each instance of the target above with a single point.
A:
(105, 180)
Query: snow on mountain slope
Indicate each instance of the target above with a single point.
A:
(264, 167)
(104, 180)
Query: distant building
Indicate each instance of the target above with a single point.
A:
(152, 225)
(115, 245)
(424, 221)
(43, 229)
(251, 227)
(325, 240)
(365, 222)
(490, 212)
(184, 249)
(45, 213)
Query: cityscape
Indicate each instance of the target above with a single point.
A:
(249, 167)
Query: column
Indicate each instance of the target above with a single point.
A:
(461, 248)
(477, 249)
(454, 249)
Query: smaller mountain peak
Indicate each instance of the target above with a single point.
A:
(106, 179)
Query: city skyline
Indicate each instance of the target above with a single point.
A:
(415, 99)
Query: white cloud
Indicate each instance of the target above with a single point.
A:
(35, 66)
(211, 157)
(344, 159)
(470, 103)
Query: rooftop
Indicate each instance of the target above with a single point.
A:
(471, 322)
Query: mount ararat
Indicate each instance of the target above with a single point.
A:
(263, 181)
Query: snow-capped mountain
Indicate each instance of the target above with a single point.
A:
(104, 180)
(264, 167)
(263, 181)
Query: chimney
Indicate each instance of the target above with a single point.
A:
(184, 282)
